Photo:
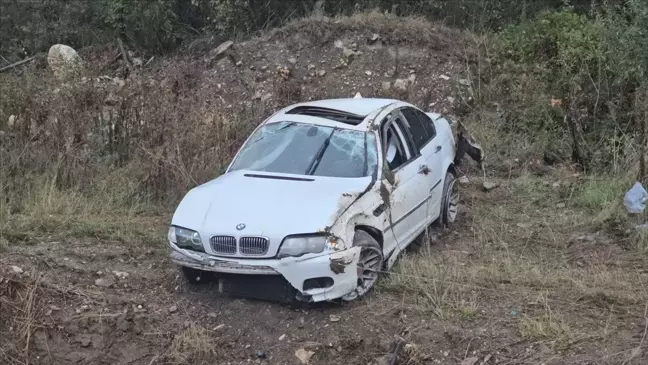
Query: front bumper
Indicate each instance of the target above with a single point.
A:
(340, 266)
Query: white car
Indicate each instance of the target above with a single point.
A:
(319, 200)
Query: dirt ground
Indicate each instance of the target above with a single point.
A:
(508, 285)
(532, 273)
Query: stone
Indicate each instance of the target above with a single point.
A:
(173, 309)
(386, 360)
(444, 77)
(16, 270)
(386, 86)
(64, 61)
(374, 37)
(368, 73)
(464, 82)
(11, 121)
(104, 283)
(470, 361)
(488, 185)
(401, 84)
(292, 60)
(334, 318)
(221, 50)
(464, 180)
(304, 356)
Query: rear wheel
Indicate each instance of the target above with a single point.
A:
(370, 264)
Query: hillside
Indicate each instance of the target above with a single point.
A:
(547, 268)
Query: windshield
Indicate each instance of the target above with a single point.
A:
(307, 149)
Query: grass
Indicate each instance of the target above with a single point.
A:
(109, 211)
(518, 258)
(194, 345)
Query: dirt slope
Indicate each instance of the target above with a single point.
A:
(521, 280)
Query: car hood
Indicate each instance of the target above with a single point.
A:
(269, 205)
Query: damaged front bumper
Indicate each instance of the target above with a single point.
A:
(315, 277)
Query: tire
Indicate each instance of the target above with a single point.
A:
(371, 255)
(196, 277)
(449, 201)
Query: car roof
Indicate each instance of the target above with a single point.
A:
(358, 106)
(348, 113)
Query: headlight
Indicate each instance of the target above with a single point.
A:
(186, 238)
(297, 246)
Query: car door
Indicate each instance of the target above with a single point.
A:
(410, 191)
(424, 137)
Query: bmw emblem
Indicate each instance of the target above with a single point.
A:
(240, 226)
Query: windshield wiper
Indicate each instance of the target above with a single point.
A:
(289, 124)
(318, 156)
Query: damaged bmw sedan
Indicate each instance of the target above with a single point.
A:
(320, 199)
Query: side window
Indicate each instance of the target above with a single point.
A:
(428, 123)
(420, 128)
(395, 149)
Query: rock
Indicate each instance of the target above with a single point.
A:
(219, 327)
(282, 337)
(488, 186)
(212, 315)
(16, 270)
(173, 309)
(257, 96)
(85, 340)
(120, 274)
(260, 355)
(374, 37)
(470, 361)
(266, 97)
(349, 54)
(292, 60)
(64, 61)
(104, 283)
(239, 63)
(411, 78)
(386, 86)
(444, 77)
(221, 51)
(401, 84)
(386, 360)
(11, 121)
(556, 185)
(321, 73)
(451, 99)
(304, 356)
(334, 318)
(368, 73)
(338, 43)
(311, 66)
(464, 180)
(560, 205)
(464, 82)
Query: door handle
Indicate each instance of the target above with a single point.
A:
(438, 149)
(423, 169)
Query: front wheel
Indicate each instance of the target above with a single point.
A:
(449, 201)
(369, 265)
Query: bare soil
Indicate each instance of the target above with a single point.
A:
(94, 301)
(524, 278)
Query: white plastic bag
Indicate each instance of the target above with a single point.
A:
(635, 199)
